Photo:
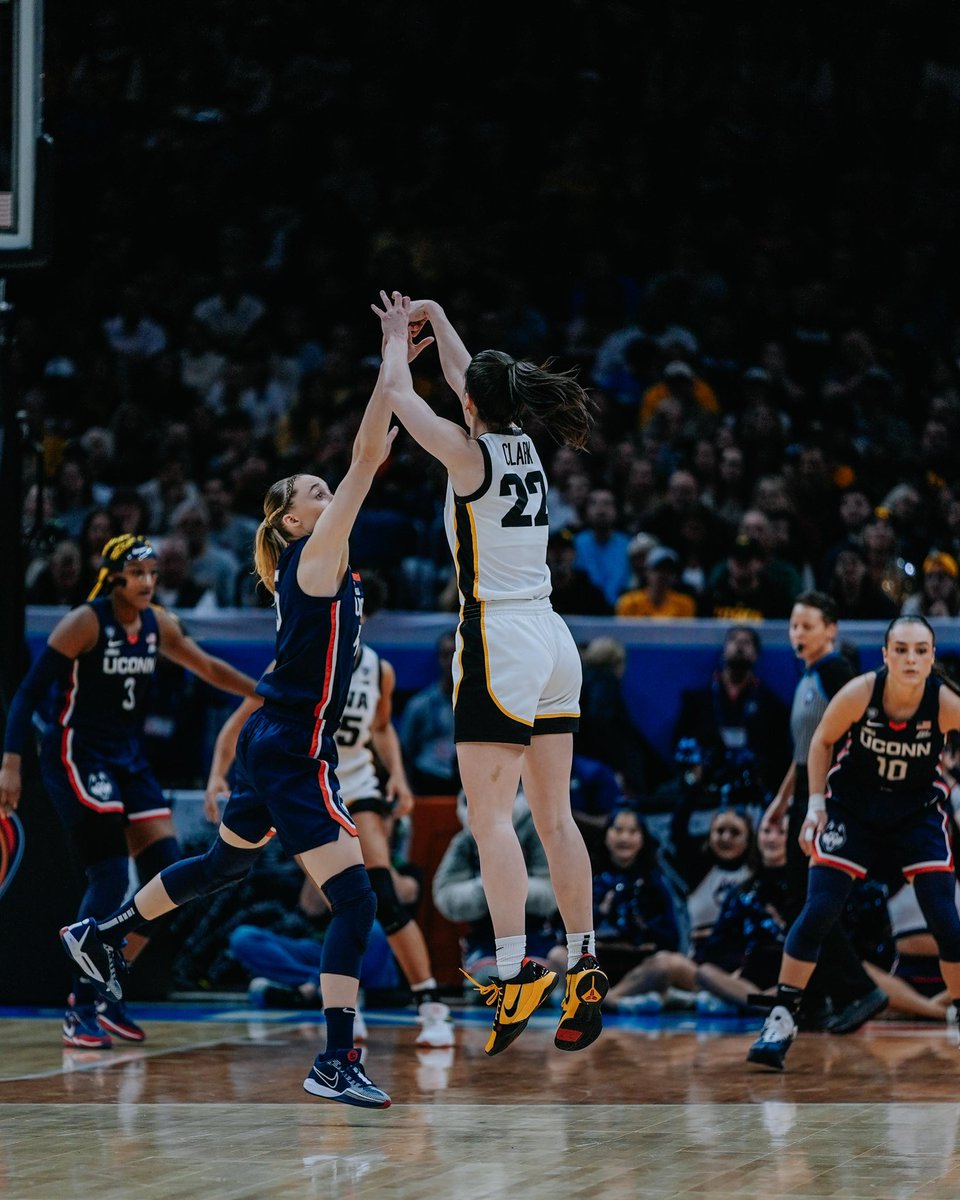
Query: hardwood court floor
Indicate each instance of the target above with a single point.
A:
(212, 1106)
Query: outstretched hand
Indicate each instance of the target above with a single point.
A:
(395, 318)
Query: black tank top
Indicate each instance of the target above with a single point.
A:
(891, 767)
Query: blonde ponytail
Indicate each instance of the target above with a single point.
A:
(269, 542)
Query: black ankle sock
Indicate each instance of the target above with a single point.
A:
(339, 1028)
(114, 929)
(789, 997)
(428, 995)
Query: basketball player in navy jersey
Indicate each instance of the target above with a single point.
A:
(517, 673)
(840, 976)
(286, 755)
(101, 658)
(365, 727)
(882, 799)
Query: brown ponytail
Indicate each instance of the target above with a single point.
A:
(503, 389)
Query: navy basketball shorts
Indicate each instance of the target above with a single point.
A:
(109, 779)
(917, 843)
(516, 673)
(279, 784)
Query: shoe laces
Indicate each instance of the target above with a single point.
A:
(349, 1064)
(489, 991)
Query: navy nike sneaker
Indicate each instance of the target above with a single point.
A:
(340, 1077)
(97, 961)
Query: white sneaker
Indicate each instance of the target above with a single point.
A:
(953, 1028)
(436, 1025)
(359, 1027)
(645, 1002)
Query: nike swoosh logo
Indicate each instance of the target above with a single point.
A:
(512, 1012)
(329, 1082)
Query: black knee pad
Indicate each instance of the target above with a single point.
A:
(154, 858)
(354, 907)
(221, 865)
(827, 893)
(935, 895)
(107, 883)
(390, 912)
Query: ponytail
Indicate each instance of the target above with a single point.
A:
(503, 389)
(269, 542)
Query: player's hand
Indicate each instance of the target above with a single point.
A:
(414, 349)
(776, 809)
(9, 790)
(399, 796)
(811, 827)
(217, 792)
(394, 320)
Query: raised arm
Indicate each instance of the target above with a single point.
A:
(324, 558)
(847, 706)
(447, 442)
(454, 356)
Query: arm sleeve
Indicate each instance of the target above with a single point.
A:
(49, 667)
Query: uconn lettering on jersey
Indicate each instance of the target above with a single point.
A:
(891, 748)
(128, 664)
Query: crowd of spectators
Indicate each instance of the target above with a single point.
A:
(739, 226)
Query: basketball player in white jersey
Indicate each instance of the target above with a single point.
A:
(517, 671)
(366, 728)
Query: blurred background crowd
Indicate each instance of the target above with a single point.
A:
(740, 227)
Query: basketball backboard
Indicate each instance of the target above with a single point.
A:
(22, 143)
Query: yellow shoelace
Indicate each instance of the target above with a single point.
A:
(489, 991)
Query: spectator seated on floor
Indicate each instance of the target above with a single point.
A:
(283, 960)
(634, 908)
(458, 895)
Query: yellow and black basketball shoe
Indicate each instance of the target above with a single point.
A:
(517, 999)
(580, 1021)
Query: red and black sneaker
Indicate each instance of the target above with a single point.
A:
(113, 1016)
(580, 1021)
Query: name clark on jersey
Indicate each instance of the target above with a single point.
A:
(893, 749)
(124, 664)
(522, 451)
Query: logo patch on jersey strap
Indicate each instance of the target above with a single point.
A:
(833, 837)
(99, 785)
(12, 842)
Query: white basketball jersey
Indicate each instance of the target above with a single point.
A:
(498, 534)
(355, 768)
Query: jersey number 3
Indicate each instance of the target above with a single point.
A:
(514, 485)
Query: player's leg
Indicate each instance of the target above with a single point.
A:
(336, 867)
(827, 894)
(96, 945)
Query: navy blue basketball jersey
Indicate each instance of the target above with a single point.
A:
(318, 638)
(898, 761)
(105, 694)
